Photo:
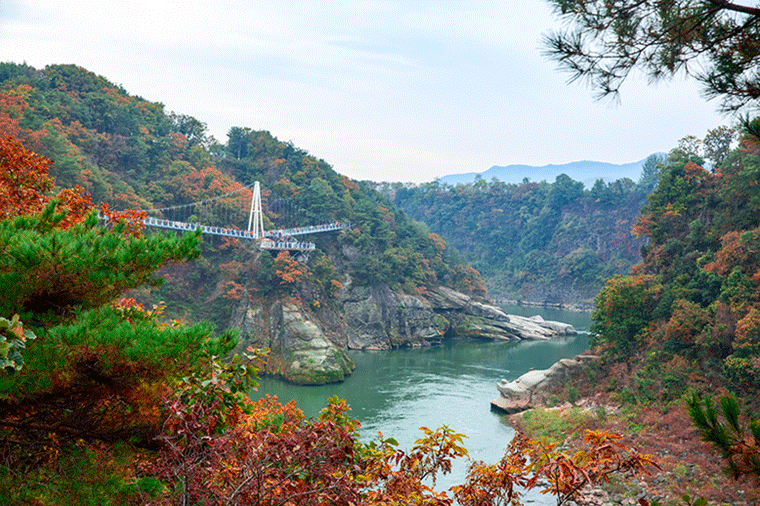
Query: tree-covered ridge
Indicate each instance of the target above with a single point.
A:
(129, 152)
(683, 327)
(695, 290)
(547, 242)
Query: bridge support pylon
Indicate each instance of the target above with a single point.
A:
(256, 218)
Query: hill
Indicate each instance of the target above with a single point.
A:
(587, 172)
(678, 339)
(383, 283)
(547, 243)
(106, 401)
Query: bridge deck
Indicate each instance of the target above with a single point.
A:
(269, 242)
(311, 229)
(289, 246)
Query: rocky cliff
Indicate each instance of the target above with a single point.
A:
(309, 344)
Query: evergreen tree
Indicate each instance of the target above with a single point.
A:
(607, 40)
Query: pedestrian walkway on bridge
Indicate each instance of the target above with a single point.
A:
(270, 240)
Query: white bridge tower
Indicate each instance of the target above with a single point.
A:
(256, 218)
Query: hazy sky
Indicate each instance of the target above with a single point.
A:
(381, 90)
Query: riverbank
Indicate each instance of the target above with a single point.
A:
(576, 307)
(687, 465)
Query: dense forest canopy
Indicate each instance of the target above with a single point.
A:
(683, 326)
(694, 293)
(549, 242)
(544, 242)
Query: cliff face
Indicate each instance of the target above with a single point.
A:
(304, 349)
(377, 318)
(309, 345)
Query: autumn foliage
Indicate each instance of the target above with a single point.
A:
(265, 453)
(288, 269)
(110, 403)
(26, 187)
(24, 180)
(685, 325)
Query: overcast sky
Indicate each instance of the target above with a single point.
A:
(381, 90)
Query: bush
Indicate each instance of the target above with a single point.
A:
(624, 309)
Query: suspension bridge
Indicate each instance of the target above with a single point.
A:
(225, 215)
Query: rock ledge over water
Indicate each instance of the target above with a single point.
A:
(528, 390)
(382, 319)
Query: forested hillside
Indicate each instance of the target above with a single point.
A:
(679, 337)
(539, 242)
(689, 308)
(548, 242)
(129, 152)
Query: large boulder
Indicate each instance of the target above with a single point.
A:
(534, 381)
(301, 352)
(531, 388)
(537, 329)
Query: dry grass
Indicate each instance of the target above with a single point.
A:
(688, 465)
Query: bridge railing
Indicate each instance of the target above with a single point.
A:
(181, 225)
(287, 245)
(310, 229)
(267, 242)
(243, 234)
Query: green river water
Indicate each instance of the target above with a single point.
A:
(398, 391)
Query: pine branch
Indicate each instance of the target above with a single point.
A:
(744, 9)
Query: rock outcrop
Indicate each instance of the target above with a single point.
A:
(309, 345)
(528, 390)
(382, 319)
(377, 318)
(301, 352)
(304, 354)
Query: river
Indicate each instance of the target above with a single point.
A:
(398, 391)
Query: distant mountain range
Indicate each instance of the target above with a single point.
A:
(586, 172)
